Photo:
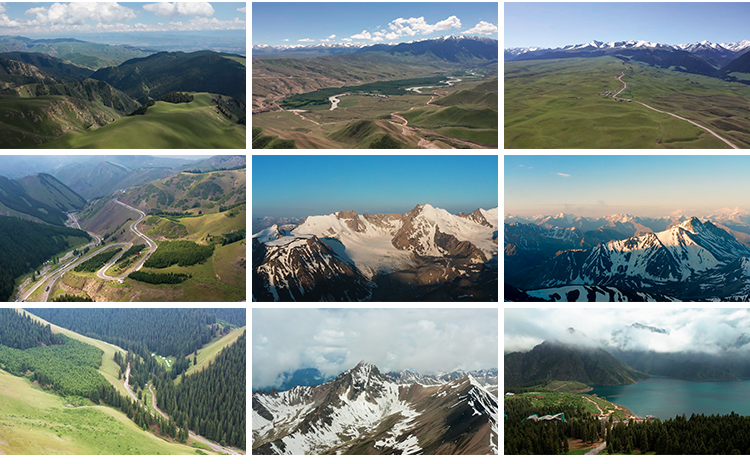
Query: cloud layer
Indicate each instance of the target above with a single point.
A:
(714, 331)
(425, 340)
(114, 17)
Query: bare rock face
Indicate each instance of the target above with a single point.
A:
(407, 237)
(351, 219)
(476, 216)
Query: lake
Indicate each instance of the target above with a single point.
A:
(665, 398)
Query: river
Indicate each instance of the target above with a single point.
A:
(665, 398)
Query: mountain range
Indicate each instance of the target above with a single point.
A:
(426, 254)
(553, 360)
(623, 356)
(53, 88)
(625, 257)
(450, 48)
(705, 58)
(361, 411)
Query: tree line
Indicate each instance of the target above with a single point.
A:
(167, 331)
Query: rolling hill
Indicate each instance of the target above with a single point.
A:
(165, 72)
(198, 124)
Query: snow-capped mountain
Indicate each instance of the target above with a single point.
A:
(363, 412)
(425, 253)
(714, 54)
(687, 260)
(487, 377)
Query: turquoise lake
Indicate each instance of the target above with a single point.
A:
(665, 398)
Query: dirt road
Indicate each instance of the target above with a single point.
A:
(730, 144)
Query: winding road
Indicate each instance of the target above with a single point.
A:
(624, 85)
(50, 278)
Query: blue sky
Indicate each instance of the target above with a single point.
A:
(294, 186)
(316, 23)
(552, 25)
(646, 185)
(45, 19)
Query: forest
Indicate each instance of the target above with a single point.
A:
(697, 435)
(212, 402)
(168, 332)
(67, 366)
(157, 279)
(94, 263)
(529, 437)
(26, 245)
(180, 252)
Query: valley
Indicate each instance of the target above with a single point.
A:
(70, 394)
(450, 102)
(129, 239)
(85, 95)
(624, 381)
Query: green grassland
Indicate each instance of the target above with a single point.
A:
(559, 399)
(33, 421)
(29, 122)
(557, 104)
(165, 125)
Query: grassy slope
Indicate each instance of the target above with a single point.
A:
(165, 125)
(540, 113)
(209, 351)
(28, 122)
(33, 421)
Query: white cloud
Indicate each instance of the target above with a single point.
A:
(306, 40)
(347, 40)
(391, 36)
(169, 10)
(363, 35)
(242, 10)
(77, 13)
(332, 36)
(414, 26)
(377, 39)
(563, 174)
(2, 7)
(325, 40)
(482, 27)
(425, 340)
(286, 40)
(711, 330)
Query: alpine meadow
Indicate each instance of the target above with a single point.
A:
(675, 78)
(385, 75)
(122, 76)
(141, 381)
